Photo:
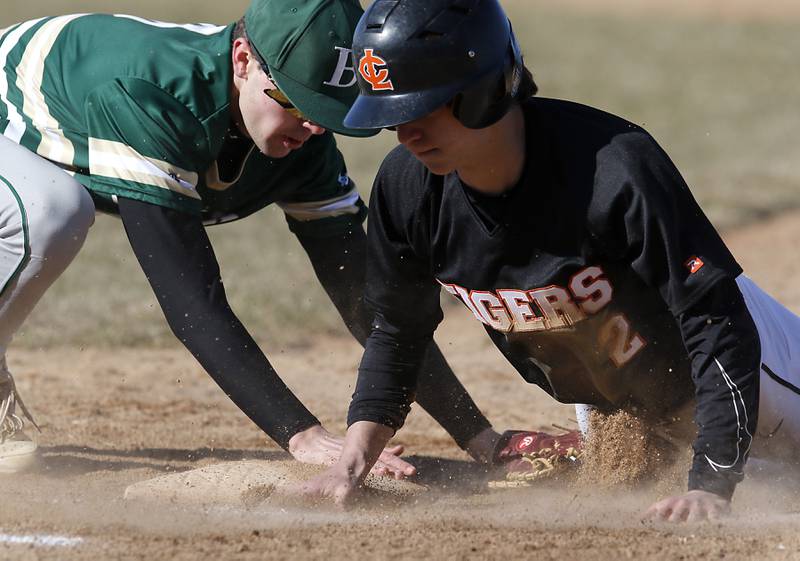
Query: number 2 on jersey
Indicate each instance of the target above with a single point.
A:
(616, 337)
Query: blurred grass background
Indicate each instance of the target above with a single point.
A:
(721, 95)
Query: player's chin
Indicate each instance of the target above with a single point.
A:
(281, 145)
(436, 165)
(275, 148)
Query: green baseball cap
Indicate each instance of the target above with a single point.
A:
(306, 46)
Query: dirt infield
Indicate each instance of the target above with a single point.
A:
(111, 419)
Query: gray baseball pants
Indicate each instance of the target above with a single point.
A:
(45, 215)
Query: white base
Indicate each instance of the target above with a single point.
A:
(244, 483)
(17, 456)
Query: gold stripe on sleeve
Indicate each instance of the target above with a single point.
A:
(120, 161)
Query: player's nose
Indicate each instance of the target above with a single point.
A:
(313, 128)
(408, 133)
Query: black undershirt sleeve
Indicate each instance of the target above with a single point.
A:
(724, 347)
(388, 375)
(340, 265)
(402, 291)
(175, 254)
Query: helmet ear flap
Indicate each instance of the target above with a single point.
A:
(483, 103)
(514, 74)
(487, 100)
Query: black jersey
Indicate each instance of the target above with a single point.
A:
(578, 273)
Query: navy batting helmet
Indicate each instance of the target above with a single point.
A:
(414, 56)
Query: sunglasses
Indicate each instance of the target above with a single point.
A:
(280, 98)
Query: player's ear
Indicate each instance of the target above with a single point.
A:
(240, 55)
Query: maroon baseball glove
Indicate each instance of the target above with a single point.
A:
(527, 456)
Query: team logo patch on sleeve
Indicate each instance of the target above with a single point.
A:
(369, 69)
(694, 264)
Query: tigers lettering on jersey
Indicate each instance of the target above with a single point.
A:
(555, 307)
(538, 309)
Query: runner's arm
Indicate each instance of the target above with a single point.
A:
(339, 262)
(725, 353)
(644, 214)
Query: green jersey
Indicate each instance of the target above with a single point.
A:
(140, 109)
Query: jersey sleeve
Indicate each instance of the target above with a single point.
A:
(643, 213)
(400, 282)
(326, 201)
(145, 145)
(724, 347)
(403, 294)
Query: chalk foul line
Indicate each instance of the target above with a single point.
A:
(39, 540)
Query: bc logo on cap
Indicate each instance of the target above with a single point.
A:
(336, 79)
(368, 68)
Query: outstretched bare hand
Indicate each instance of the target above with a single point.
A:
(317, 446)
(333, 484)
(693, 506)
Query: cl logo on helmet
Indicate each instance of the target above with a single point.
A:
(368, 68)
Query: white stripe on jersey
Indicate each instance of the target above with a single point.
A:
(16, 126)
(741, 423)
(346, 204)
(201, 28)
(119, 161)
(30, 72)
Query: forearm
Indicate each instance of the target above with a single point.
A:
(724, 348)
(387, 377)
(177, 259)
(234, 361)
(339, 263)
(363, 445)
